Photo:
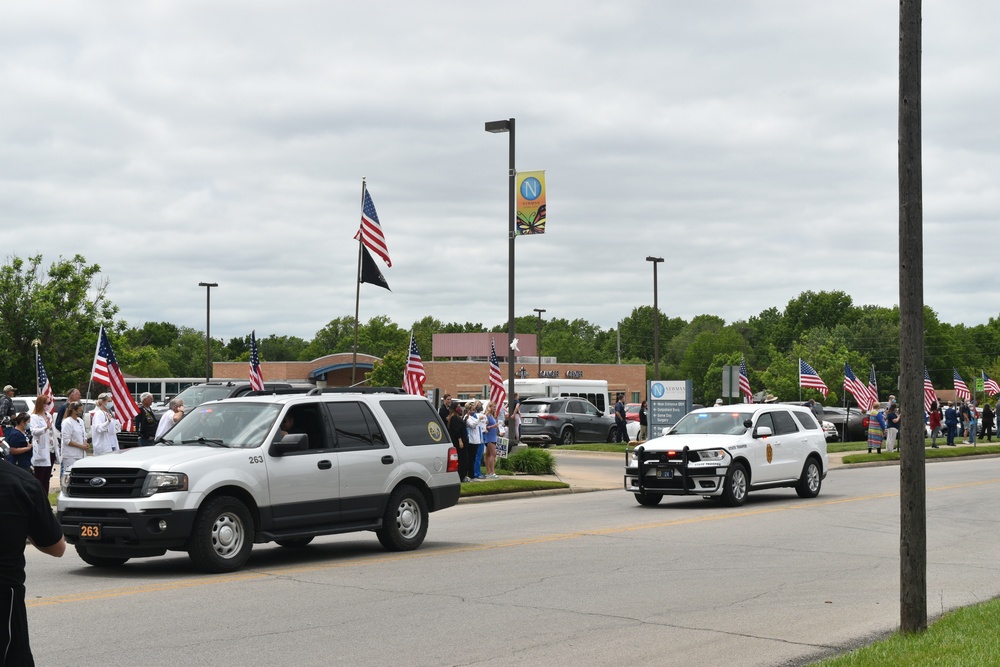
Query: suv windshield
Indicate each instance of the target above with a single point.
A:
(712, 423)
(229, 424)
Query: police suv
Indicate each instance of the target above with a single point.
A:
(725, 452)
(279, 469)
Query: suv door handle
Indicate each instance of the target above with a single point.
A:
(324, 465)
(387, 459)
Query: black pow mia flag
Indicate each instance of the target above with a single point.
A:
(369, 270)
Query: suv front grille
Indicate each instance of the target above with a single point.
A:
(117, 482)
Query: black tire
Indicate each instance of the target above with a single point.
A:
(611, 434)
(222, 536)
(405, 522)
(567, 437)
(811, 480)
(98, 561)
(648, 499)
(734, 493)
(294, 542)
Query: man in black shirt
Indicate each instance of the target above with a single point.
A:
(146, 422)
(25, 514)
(445, 408)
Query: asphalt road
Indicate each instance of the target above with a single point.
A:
(576, 579)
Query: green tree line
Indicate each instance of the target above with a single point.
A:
(62, 307)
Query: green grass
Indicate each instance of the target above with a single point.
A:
(943, 452)
(965, 636)
(508, 485)
(596, 447)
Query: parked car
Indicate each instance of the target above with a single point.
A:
(564, 420)
(830, 431)
(727, 451)
(857, 430)
(632, 411)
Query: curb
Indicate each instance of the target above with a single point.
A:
(492, 497)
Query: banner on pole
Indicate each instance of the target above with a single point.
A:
(530, 202)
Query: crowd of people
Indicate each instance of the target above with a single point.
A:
(475, 429)
(962, 418)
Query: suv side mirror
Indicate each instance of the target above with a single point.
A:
(293, 442)
(762, 432)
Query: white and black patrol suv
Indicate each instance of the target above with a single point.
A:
(725, 452)
(262, 469)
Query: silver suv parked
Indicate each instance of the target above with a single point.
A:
(260, 469)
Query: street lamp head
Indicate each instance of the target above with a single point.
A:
(498, 126)
(208, 284)
(539, 311)
(654, 259)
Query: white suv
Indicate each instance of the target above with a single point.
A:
(725, 452)
(269, 468)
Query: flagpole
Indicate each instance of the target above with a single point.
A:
(357, 290)
(799, 370)
(38, 387)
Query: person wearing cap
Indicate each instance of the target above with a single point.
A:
(104, 427)
(7, 402)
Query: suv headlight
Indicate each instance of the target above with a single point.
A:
(713, 455)
(162, 482)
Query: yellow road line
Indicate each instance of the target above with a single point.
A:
(251, 575)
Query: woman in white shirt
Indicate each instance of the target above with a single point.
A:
(43, 450)
(104, 428)
(74, 436)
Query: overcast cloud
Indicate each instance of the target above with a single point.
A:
(751, 144)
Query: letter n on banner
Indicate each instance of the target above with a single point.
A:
(531, 202)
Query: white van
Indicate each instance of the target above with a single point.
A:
(595, 391)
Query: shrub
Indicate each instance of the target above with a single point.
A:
(530, 461)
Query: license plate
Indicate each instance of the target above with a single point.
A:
(90, 531)
(665, 474)
(528, 420)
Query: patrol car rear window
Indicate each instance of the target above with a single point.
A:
(416, 422)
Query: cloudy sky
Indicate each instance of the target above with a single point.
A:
(750, 144)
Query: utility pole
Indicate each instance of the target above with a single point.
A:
(912, 473)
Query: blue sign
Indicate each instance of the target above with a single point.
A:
(656, 389)
(531, 188)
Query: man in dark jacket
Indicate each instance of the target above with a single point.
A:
(950, 424)
(26, 516)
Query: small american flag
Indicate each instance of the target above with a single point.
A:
(856, 388)
(106, 372)
(256, 379)
(414, 375)
(44, 386)
(498, 395)
(371, 230)
(808, 377)
(745, 381)
(991, 386)
(961, 389)
(929, 395)
(873, 386)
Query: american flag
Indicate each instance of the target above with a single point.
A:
(961, 389)
(857, 388)
(745, 381)
(414, 375)
(371, 230)
(808, 377)
(256, 379)
(498, 396)
(873, 386)
(44, 386)
(106, 372)
(991, 386)
(929, 395)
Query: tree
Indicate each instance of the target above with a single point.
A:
(281, 348)
(62, 308)
(336, 336)
(389, 371)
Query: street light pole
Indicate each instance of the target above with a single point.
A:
(656, 321)
(208, 328)
(538, 344)
(498, 127)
